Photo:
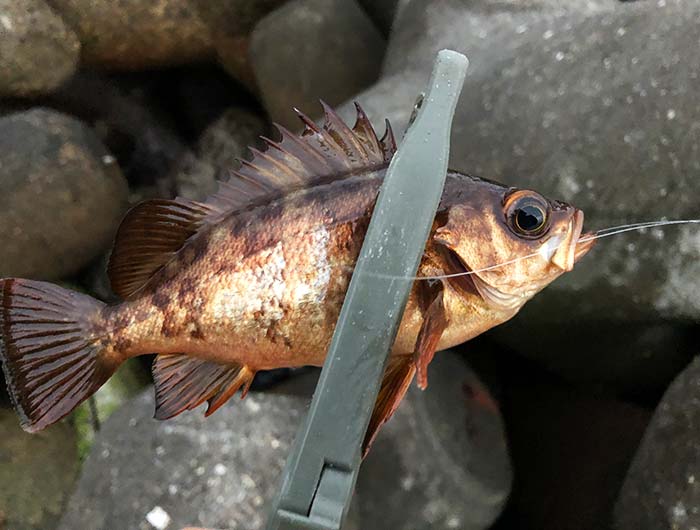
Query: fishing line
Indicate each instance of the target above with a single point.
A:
(599, 234)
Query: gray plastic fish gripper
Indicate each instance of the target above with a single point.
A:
(322, 468)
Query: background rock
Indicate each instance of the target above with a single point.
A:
(61, 195)
(217, 151)
(662, 488)
(131, 34)
(591, 104)
(231, 24)
(37, 50)
(311, 49)
(37, 473)
(440, 463)
(216, 473)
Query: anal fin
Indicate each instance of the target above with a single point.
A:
(397, 378)
(183, 383)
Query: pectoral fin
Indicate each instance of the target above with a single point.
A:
(397, 378)
(434, 323)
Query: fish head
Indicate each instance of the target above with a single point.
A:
(513, 242)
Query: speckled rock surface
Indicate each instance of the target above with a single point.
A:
(440, 463)
(132, 34)
(37, 474)
(38, 51)
(313, 49)
(593, 104)
(662, 488)
(61, 195)
(217, 151)
(216, 472)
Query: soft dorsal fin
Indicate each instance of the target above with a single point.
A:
(319, 153)
(147, 239)
(183, 383)
(153, 231)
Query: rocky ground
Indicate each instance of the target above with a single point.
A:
(581, 413)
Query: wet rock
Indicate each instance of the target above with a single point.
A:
(131, 34)
(61, 195)
(313, 49)
(571, 450)
(37, 473)
(217, 151)
(662, 488)
(441, 461)
(231, 24)
(590, 103)
(38, 51)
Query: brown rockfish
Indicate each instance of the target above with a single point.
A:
(254, 277)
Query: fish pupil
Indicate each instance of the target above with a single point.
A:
(529, 218)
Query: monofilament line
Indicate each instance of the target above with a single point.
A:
(599, 234)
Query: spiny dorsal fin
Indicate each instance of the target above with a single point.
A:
(183, 383)
(319, 153)
(148, 237)
(155, 230)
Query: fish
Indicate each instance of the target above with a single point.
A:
(253, 278)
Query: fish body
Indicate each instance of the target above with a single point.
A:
(254, 278)
(265, 286)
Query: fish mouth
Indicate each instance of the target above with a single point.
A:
(573, 248)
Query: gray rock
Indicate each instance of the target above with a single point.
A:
(441, 462)
(37, 474)
(217, 151)
(38, 51)
(131, 34)
(662, 488)
(313, 49)
(61, 195)
(591, 103)
(231, 24)
(217, 472)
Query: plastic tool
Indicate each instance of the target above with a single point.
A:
(322, 469)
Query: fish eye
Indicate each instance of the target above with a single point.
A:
(527, 214)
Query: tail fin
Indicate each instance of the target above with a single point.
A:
(50, 350)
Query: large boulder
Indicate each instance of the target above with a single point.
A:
(593, 103)
(38, 51)
(314, 49)
(662, 488)
(37, 474)
(61, 195)
(441, 462)
(132, 34)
